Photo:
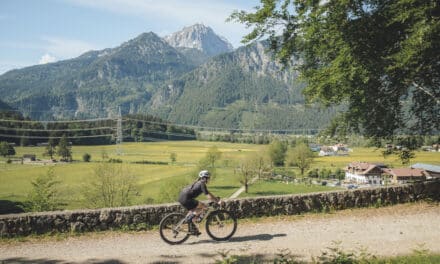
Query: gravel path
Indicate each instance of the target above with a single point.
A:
(385, 231)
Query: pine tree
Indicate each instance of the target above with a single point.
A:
(50, 148)
(64, 150)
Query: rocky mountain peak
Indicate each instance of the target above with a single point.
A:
(199, 37)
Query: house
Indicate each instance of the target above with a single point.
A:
(29, 157)
(326, 151)
(432, 170)
(336, 150)
(340, 147)
(405, 175)
(364, 172)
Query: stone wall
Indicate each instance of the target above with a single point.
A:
(150, 215)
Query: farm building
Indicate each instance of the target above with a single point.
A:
(336, 150)
(433, 170)
(326, 151)
(405, 175)
(29, 157)
(364, 172)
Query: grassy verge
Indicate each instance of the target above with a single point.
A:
(338, 257)
(265, 188)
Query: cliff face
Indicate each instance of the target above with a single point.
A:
(199, 37)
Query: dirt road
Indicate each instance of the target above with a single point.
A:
(384, 231)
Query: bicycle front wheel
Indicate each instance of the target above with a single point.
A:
(173, 229)
(221, 225)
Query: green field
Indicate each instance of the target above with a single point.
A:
(265, 188)
(15, 178)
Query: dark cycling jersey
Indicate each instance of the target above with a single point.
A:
(189, 193)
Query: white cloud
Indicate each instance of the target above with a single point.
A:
(66, 48)
(179, 13)
(53, 48)
(47, 58)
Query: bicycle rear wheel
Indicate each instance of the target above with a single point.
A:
(173, 229)
(221, 225)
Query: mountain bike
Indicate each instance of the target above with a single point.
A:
(176, 228)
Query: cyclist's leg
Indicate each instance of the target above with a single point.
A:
(199, 208)
(196, 212)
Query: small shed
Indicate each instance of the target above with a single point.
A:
(433, 170)
(29, 157)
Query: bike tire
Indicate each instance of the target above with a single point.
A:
(221, 225)
(167, 230)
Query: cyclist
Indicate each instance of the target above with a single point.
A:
(189, 193)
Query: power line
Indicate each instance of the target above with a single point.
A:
(57, 122)
(172, 134)
(223, 128)
(59, 111)
(55, 130)
(150, 139)
(43, 137)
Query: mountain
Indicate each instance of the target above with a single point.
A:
(95, 83)
(200, 38)
(4, 107)
(244, 88)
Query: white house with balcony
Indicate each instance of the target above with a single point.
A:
(365, 173)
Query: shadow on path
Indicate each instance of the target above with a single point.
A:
(260, 237)
(55, 261)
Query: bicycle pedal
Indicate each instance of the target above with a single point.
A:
(196, 233)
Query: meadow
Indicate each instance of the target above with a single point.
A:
(16, 178)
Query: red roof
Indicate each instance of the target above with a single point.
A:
(405, 172)
(364, 166)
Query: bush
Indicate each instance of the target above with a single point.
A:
(313, 173)
(44, 194)
(87, 157)
(114, 160)
(150, 162)
(277, 152)
(113, 185)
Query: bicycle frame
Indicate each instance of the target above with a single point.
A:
(210, 207)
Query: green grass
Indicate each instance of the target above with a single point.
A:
(15, 179)
(375, 155)
(263, 188)
(413, 259)
(428, 258)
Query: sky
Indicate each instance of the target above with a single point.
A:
(42, 31)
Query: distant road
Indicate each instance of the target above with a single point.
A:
(384, 231)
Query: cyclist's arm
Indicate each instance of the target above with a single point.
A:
(212, 197)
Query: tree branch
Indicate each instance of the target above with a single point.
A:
(437, 100)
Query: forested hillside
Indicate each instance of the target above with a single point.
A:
(245, 89)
